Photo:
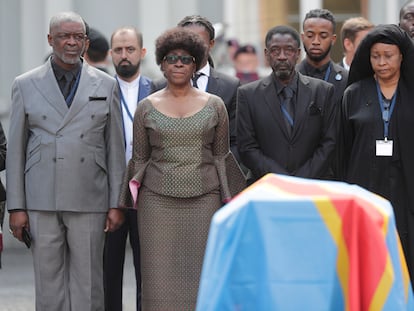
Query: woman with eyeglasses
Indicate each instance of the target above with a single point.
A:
(377, 125)
(177, 177)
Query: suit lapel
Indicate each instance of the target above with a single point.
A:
(88, 84)
(47, 85)
(273, 103)
(213, 85)
(144, 88)
(303, 101)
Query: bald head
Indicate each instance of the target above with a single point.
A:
(407, 18)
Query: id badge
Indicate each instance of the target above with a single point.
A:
(384, 148)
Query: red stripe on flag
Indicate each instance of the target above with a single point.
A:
(366, 249)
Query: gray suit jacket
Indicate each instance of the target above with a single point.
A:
(62, 159)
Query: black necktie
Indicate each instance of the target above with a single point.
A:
(195, 78)
(288, 107)
(66, 83)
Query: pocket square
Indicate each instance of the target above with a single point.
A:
(97, 98)
(314, 110)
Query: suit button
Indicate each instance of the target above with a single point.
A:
(54, 159)
(81, 135)
(93, 116)
(82, 159)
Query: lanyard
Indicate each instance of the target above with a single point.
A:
(73, 89)
(327, 73)
(386, 110)
(123, 102)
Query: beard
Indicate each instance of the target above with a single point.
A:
(285, 72)
(126, 71)
(318, 58)
(67, 59)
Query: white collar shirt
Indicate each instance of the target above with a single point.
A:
(129, 104)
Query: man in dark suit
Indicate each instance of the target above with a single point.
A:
(65, 164)
(127, 51)
(318, 38)
(209, 79)
(286, 121)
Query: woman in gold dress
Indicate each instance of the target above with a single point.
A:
(177, 175)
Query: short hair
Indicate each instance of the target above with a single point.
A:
(98, 46)
(404, 7)
(133, 29)
(321, 13)
(198, 20)
(283, 30)
(245, 49)
(352, 26)
(180, 38)
(62, 17)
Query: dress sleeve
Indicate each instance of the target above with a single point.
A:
(137, 165)
(231, 177)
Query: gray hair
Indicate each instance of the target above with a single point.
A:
(62, 17)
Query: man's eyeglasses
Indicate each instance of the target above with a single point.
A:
(287, 51)
(66, 36)
(185, 59)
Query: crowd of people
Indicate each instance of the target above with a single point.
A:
(94, 158)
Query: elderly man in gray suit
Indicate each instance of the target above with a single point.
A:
(66, 161)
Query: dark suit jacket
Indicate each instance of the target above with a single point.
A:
(225, 87)
(341, 63)
(262, 137)
(338, 77)
(3, 149)
(144, 87)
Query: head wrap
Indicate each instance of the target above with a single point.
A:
(389, 34)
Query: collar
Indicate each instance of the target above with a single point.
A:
(293, 84)
(346, 66)
(128, 85)
(205, 70)
(60, 72)
(314, 72)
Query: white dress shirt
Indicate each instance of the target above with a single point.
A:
(203, 79)
(130, 97)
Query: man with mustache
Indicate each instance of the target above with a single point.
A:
(127, 52)
(318, 37)
(286, 121)
(65, 163)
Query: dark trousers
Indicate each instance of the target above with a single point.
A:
(114, 258)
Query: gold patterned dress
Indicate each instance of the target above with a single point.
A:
(178, 180)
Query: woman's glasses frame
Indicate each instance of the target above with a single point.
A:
(173, 59)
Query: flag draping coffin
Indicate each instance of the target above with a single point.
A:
(288, 243)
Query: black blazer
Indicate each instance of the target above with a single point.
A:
(264, 143)
(3, 150)
(225, 87)
(338, 77)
